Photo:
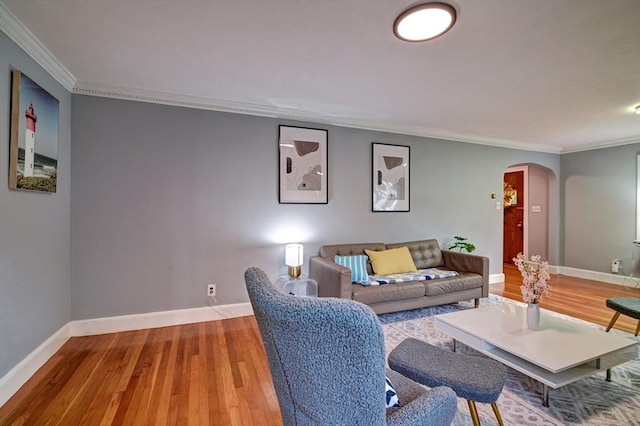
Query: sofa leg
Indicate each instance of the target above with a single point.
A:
(477, 303)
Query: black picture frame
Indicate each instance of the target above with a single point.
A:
(302, 158)
(391, 178)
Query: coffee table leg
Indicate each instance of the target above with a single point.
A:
(608, 374)
(545, 395)
(454, 345)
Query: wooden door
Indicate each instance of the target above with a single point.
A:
(513, 232)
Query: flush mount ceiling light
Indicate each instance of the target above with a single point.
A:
(424, 22)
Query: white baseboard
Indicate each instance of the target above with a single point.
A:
(117, 324)
(555, 269)
(11, 382)
(18, 375)
(623, 280)
(496, 278)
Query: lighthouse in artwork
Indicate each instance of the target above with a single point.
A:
(29, 141)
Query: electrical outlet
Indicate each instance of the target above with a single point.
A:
(615, 266)
(211, 290)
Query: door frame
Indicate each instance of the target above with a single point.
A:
(525, 213)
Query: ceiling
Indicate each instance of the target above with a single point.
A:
(546, 75)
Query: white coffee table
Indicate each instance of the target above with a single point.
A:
(560, 353)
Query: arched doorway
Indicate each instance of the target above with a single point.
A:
(530, 221)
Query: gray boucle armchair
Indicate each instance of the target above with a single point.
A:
(327, 361)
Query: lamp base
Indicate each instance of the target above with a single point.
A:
(295, 271)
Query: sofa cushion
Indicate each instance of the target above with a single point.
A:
(357, 264)
(464, 281)
(388, 292)
(394, 261)
(425, 253)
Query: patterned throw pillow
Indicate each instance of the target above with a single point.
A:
(392, 396)
(357, 264)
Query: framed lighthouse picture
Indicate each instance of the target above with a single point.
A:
(33, 154)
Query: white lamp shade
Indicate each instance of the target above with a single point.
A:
(293, 254)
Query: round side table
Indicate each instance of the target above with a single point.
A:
(300, 286)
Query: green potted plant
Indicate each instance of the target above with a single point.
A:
(462, 243)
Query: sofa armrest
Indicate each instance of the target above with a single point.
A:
(465, 262)
(333, 280)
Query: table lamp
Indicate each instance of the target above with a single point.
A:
(293, 259)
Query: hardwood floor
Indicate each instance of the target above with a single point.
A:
(576, 297)
(197, 374)
(209, 373)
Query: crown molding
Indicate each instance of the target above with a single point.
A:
(605, 144)
(459, 137)
(149, 96)
(163, 98)
(20, 35)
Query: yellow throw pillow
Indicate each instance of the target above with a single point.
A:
(393, 261)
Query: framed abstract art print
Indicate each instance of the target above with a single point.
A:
(390, 179)
(303, 165)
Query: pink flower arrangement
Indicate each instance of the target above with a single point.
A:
(535, 274)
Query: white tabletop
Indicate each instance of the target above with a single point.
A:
(559, 344)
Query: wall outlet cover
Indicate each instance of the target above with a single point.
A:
(615, 266)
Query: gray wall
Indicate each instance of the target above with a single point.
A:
(34, 230)
(542, 190)
(168, 199)
(599, 189)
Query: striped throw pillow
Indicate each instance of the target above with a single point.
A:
(357, 264)
(390, 394)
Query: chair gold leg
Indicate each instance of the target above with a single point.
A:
(638, 328)
(613, 321)
(474, 412)
(497, 413)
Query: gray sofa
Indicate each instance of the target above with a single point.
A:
(472, 281)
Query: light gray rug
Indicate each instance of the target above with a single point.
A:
(591, 401)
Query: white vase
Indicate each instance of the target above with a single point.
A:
(533, 316)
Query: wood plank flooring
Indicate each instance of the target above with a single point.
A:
(210, 373)
(575, 297)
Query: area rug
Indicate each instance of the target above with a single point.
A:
(591, 401)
